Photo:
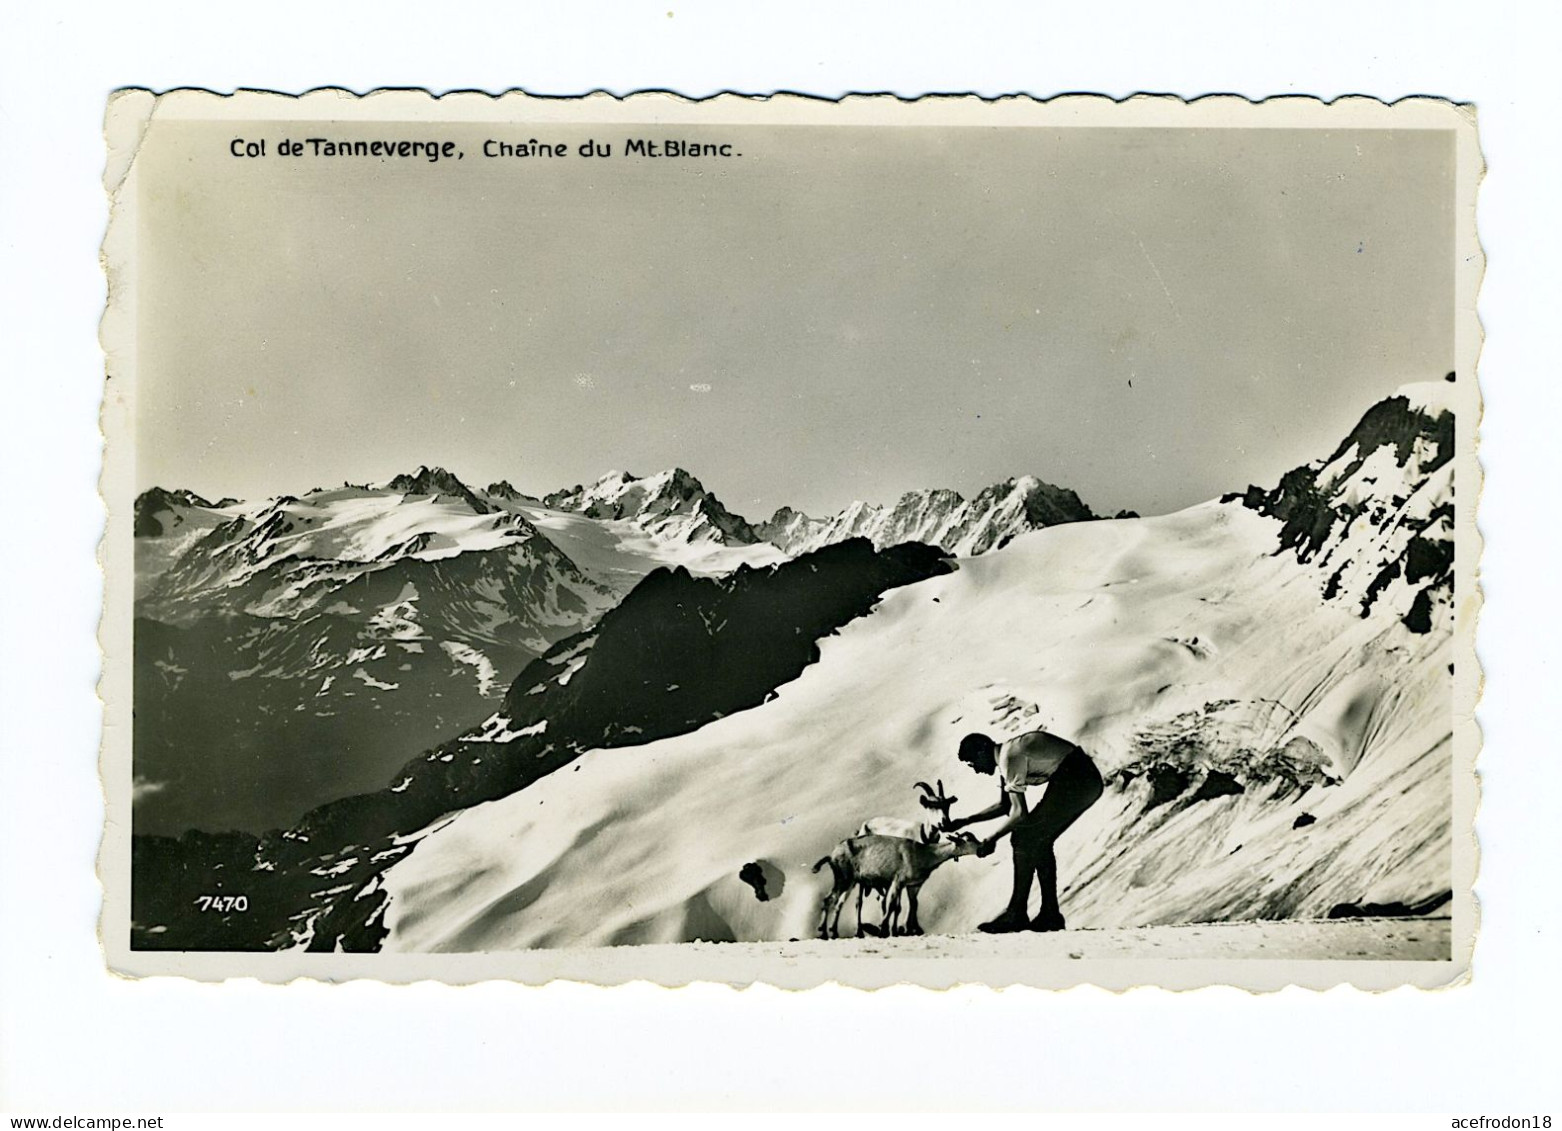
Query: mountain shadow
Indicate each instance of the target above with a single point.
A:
(678, 652)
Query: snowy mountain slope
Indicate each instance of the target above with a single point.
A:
(1275, 747)
(160, 513)
(168, 523)
(302, 649)
(939, 518)
(290, 555)
(1277, 741)
(679, 651)
(618, 552)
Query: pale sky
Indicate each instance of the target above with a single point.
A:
(1151, 317)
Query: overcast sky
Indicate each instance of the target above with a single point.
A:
(1150, 317)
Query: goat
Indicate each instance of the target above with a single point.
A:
(937, 801)
(894, 865)
(919, 831)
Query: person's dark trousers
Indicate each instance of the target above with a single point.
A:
(1072, 789)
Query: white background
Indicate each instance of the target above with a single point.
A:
(73, 1039)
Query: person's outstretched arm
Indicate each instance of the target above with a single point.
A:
(998, 808)
(1015, 805)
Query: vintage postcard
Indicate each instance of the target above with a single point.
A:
(784, 540)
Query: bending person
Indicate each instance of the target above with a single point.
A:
(1073, 785)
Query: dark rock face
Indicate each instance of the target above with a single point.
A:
(438, 481)
(1303, 821)
(256, 718)
(169, 878)
(1227, 746)
(681, 650)
(1391, 910)
(1318, 517)
(157, 510)
(1216, 783)
(1310, 515)
(1167, 783)
(503, 490)
(678, 652)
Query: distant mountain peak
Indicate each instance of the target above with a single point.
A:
(789, 514)
(504, 490)
(938, 516)
(438, 481)
(154, 496)
(156, 502)
(667, 500)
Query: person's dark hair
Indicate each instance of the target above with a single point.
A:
(976, 748)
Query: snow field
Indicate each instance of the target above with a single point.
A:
(1098, 631)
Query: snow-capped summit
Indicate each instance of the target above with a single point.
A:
(167, 523)
(325, 638)
(788, 527)
(670, 503)
(437, 481)
(160, 512)
(938, 517)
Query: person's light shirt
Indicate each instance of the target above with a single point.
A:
(1031, 759)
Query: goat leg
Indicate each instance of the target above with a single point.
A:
(912, 926)
(891, 909)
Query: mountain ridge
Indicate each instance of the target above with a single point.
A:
(320, 641)
(936, 516)
(1253, 675)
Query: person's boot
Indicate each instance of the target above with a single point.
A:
(1007, 923)
(1048, 921)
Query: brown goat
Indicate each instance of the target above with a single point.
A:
(892, 865)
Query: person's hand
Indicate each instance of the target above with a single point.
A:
(949, 824)
(986, 847)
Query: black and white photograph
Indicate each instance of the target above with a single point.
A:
(781, 540)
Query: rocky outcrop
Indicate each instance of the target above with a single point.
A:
(503, 490)
(160, 512)
(1377, 516)
(671, 502)
(438, 482)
